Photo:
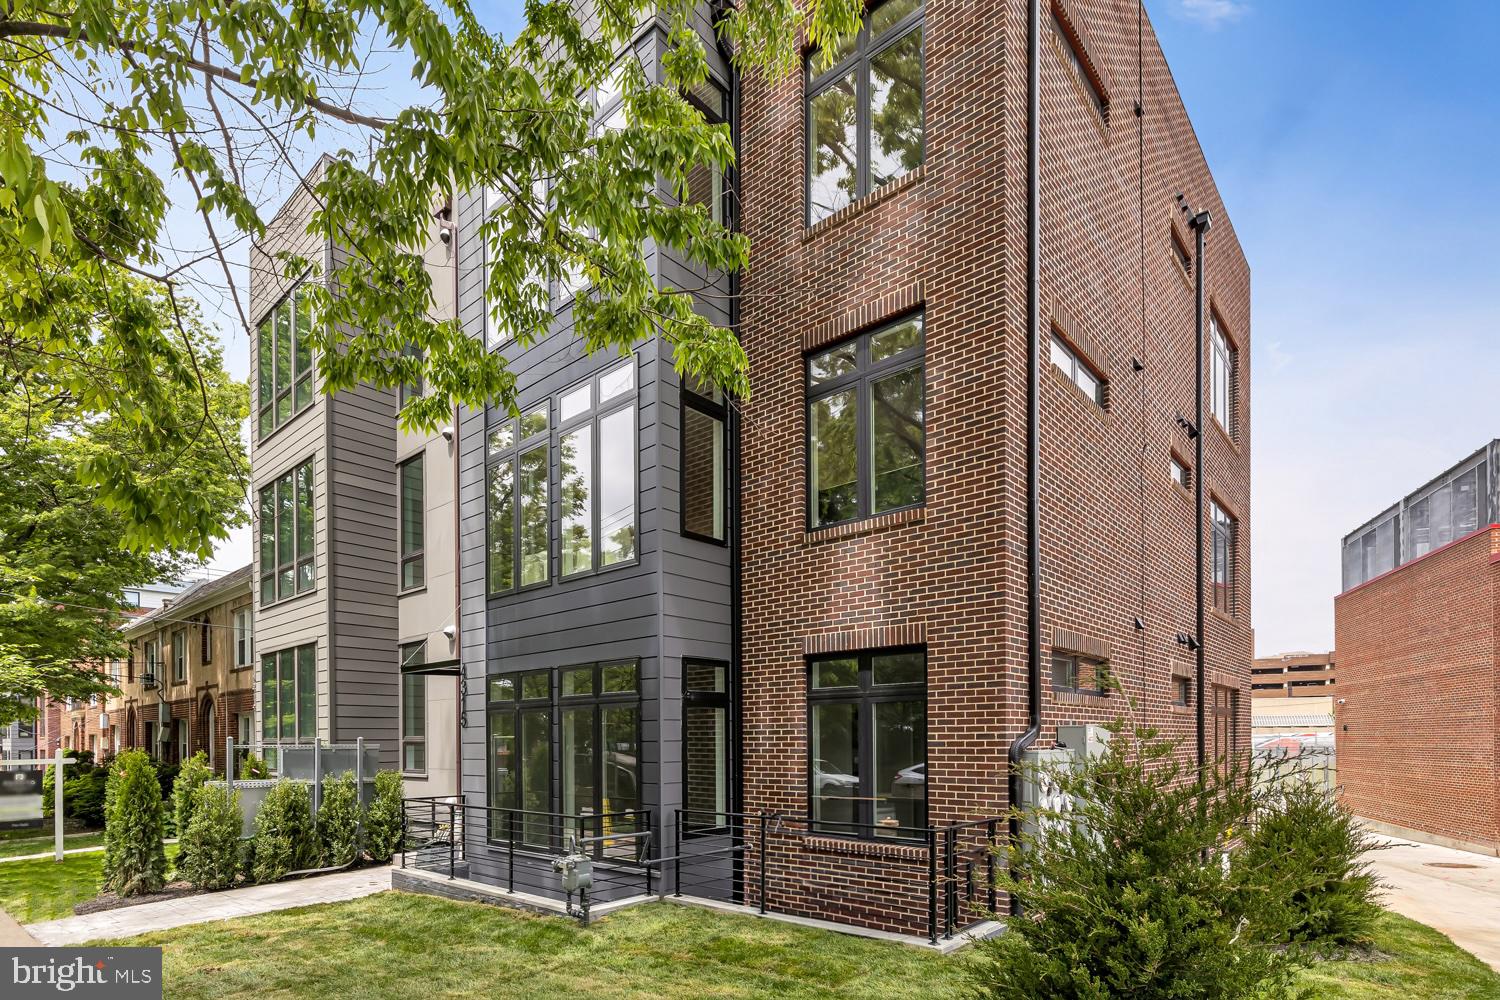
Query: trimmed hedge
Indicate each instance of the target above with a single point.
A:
(284, 832)
(383, 824)
(193, 776)
(211, 840)
(339, 816)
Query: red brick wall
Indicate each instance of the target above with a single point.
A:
(1117, 534)
(1418, 660)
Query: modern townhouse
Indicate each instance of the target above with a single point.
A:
(791, 647)
(355, 586)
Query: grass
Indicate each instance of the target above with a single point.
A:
(387, 944)
(381, 945)
(16, 847)
(33, 891)
(1420, 963)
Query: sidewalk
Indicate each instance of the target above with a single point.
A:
(13, 935)
(1463, 902)
(128, 921)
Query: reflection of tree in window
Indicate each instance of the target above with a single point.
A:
(834, 152)
(575, 481)
(897, 439)
(896, 110)
(834, 466)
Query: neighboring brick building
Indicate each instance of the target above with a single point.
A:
(1292, 675)
(1418, 697)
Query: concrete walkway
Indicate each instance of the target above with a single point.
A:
(128, 921)
(12, 934)
(1462, 902)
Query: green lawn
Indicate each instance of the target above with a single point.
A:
(394, 944)
(32, 891)
(15, 847)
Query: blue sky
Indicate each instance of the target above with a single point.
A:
(1356, 146)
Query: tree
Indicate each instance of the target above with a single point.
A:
(134, 860)
(194, 775)
(211, 841)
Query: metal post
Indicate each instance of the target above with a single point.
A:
(950, 882)
(317, 788)
(677, 862)
(510, 838)
(359, 790)
(990, 850)
(932, 934)
(229, 764)
(450, 841)
(764, 862)
(59, 763)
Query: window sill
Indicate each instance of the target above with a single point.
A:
(263, 439)
(1227, 437)
(1080, 698)
(288, 600)
(408, 592)
(865, 526)
(1069, 385)
(1224, 617)
(857, 847)
(858, 206)
(1183, 710)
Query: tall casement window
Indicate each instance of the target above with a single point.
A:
(413, 709)
(179, 656)
(284, 359)
(596, 461)
(413, 563)
(288, 698)
(867, 743)
(244, 638)
(705, 745)
(596, 711)
(1223, 362)
(287, 559)
(703, 491)
(865, 112)
(866, 425)
(518, 517)
(1223, 542)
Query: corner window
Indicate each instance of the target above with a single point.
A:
(1077, 674)
(288, 697)
(1077, 370)
(867, 743)
(865, 113)
(1222, 371)
(413, 708)
(702, 463)
(413, 511)
(866, 425)
(284, 360)
(287, 560)
(1224, 559)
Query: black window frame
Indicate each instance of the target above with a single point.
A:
(293, 476)
(817, 81)
(418, 556)
(594, 416)
(298, 378)
(861, 379)
(412, 654)
(714, 700)
(713, 409)
(512, 454)
(864, 696)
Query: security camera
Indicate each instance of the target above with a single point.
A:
(446, 235)
(448, 631)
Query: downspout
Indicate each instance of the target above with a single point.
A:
(1200, 224)
(1033, 421)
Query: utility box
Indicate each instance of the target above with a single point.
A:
(1039, 786)
(577, 871)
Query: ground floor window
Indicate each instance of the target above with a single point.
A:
(705, 745)
(288, 698)
(413, 709)
(867, 743)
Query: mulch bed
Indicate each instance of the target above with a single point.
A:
(109, 901)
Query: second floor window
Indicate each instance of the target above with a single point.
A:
(287, 561)
(1078, 372)
(284, 360)
(179, 656)
(518, 518)
(1223, 361)
(703, 493)
(866, 425)
(243, 638)
(865, 112)
(1223, 553)
(413, 563)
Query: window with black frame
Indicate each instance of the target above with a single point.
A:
(867, 743)
(703, 494)
(1076, 674)
(866, 111)
(412, 523)
(705, 746)
(596, 472)
(520, 741)
(1223, 557)
(866, 424)
(518, 522)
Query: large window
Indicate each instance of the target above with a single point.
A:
(867, 743)
(1446, 513)
(288, 697)
(285, 360)
(1223, 542)
(865, 425)
(287, 561)
(705, 745)
(596, 711)
(865, 111)
(518, 522)
(1223, 361)
(413, 709)
(703, 492)
(413, 563)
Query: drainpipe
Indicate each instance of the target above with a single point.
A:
(1033, 420)
(1200, 224)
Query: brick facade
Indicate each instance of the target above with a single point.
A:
(1416, 708)
(949, 238)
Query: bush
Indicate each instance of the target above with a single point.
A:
(83, 796)
(284, 832)
(211, 838)
(135, 861)
(1133, 890)
(193, 776)
(253, 768)
(339, 821)
(166, 775)
(1309, 846)
(383, 823)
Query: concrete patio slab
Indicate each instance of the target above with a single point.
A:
(1456, 892)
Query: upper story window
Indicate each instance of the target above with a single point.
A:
(413, 514)
(865, 113)
(205, 641)
(179, 656)
(131, 598)
(1222, 371)
(409, 390)
(244, 638)
(288, 564)
(1077, 370)
(866, 425)
(518, 490)
(497, 332)
(867, 740)
(285, 360)
(1180, 473)
(1070, 46)
(1224, 558)
(703, 492)
(153, 659)
(705, 183)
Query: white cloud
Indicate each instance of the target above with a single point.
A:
(1213, 13)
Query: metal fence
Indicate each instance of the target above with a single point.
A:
(1283, 765)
